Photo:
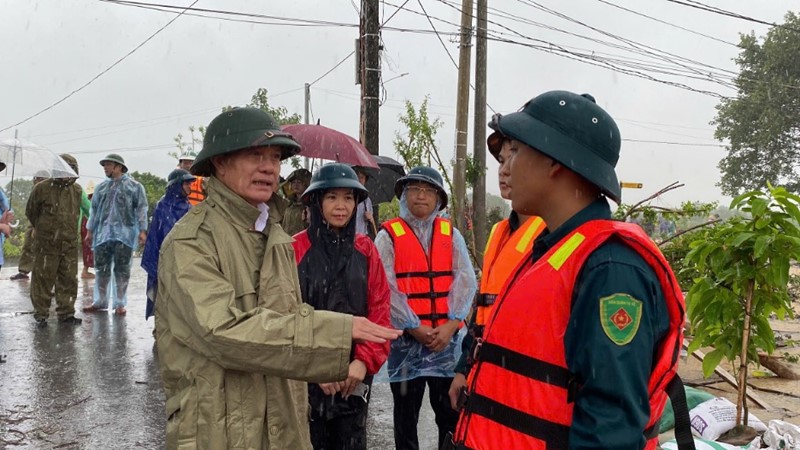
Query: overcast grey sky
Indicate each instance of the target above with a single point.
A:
(186, 73)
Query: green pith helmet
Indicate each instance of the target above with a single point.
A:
(179, 176)
(426, 174)
(299, 174)
(240, 128)
(115, 158)
(569, 128)
(332, 176)
(69, 159)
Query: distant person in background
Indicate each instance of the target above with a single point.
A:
(53, 209)
(86, 244)
(26, 256)
(169, 209)
(197, 191)
(6, 218)
(294, 219)
(365, 223)
(117, 224)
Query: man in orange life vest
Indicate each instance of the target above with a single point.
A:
(197, 193)
(583, 343)
(510, 243)
(432, 283)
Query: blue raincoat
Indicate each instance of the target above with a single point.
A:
(112, 217)
(5, 205)
(408, 359)
(169, 209)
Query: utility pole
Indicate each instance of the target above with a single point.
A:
(308, 103)
(370, 73)
(479, 145)
(462, 115)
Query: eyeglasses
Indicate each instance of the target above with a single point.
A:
(420, 190)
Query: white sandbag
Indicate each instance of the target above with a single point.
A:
(713, 418)
(782, 435)
(701, 444)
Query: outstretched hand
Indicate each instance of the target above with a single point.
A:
(366, 331)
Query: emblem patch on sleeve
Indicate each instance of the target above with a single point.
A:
(620, 316)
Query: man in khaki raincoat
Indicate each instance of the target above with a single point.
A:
(232, 333)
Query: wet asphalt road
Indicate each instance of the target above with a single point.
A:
(97, 385)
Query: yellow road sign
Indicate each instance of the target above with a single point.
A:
(631, 185)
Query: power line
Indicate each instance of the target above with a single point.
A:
(723, 12)
(433, 27)
(333, 68)
(101, 73)
(668, 23)
(688, 144)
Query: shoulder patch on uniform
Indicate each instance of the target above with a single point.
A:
(620, 316)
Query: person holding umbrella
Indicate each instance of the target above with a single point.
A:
(354, 283)
(53, 209)
(169, 210)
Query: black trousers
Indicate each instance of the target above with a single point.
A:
(407, 403)
(347, 432)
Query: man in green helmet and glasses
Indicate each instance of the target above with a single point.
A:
(233, 335)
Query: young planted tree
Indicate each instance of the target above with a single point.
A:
(743, 273)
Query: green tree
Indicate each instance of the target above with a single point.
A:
(154, 188)
(259, 100)
(762, 123)
(743, 266)
(193, 146)
(417, 145)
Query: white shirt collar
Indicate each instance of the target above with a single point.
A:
(261, 222)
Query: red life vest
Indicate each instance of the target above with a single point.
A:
(425, 279)
(520, 388)
(197, 194)
(504, 252)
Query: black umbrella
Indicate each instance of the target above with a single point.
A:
(380, 182)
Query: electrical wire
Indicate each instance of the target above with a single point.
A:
(720, 11)
(75, 91)
(668, 23)
(333, 68)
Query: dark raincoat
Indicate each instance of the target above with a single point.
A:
(169, 209)
(343, 273)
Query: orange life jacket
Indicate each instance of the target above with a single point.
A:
(504, 252)
(520, 388)
(197, 194)
(425, 279)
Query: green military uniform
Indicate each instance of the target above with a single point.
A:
(591, 353)
(53, 209)
(26, 255)
(293, 222)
